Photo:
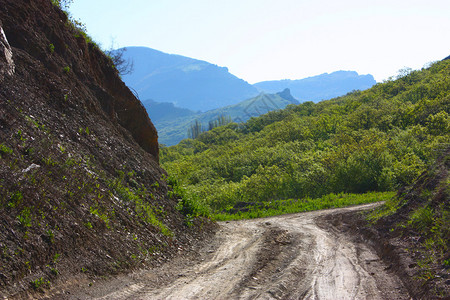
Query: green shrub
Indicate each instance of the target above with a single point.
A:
(4, 150)
(421, 219)
(40, 283)
(25, 217)
(189, 203)
(51, 47)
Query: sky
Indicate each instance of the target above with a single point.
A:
(262, 40)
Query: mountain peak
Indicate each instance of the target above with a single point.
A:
(320, 87)
(286, 94)
(187, 82)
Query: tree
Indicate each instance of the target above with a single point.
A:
(219, 121)
(123, 66)
(195, 129)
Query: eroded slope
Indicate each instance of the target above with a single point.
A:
(81, 190)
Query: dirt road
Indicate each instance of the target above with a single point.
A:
(283, 257)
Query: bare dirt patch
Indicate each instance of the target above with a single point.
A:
(283, 257)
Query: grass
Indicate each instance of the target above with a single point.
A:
(390, 207)
(189, 204)
(281, 207)
(141, 206)
(40, 283)
(5, 150)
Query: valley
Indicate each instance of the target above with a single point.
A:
(261, 192)
(178, 91)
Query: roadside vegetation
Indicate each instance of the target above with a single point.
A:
(376, 140)
(419, 216)
(289, 206)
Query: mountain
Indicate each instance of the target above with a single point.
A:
(172, 129)
(320, 87)
(183, 81)
(82, 194)
(378, 139)
(161, 111)
(393, 138)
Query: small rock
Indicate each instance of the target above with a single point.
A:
(31, 167)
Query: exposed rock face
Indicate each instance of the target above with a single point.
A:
(81, 189)
(6, 61)
(55, 51)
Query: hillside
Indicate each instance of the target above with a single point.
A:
(183, 81)
(366, 141)
(359, 148)
(164, 111)
(173, 124)
(414, 229)
(320, 87)
(81, 191)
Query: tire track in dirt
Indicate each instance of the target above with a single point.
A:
(282, 257)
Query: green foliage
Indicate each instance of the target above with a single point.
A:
(51, 47)
(141, 206)
(366, 141)
(4, 150)
(88, 225)
(102, 216)
(189, 204)
(50, 235)
(289, 206)
(221, 120)
(177, 125)
(77, 26)
(66, 69)
(15, 199)
(24, 217)
(56, 257)
(422, 218)
(422, 214)
(63, 4)
(54, 271)
(195, 129)
(40, 283)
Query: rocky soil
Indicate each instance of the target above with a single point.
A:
(81, 190)
(299, 256)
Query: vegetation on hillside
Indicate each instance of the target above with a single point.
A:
(418, 219)
(374, 140)
(175, 124)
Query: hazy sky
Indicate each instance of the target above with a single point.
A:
(279, 39)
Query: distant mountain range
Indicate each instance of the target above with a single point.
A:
(201, 86)
(173, 123)
(320, 87)
(183, 81)
(184, 89)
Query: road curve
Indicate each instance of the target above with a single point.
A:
(282, 257)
